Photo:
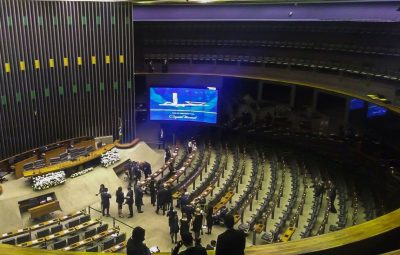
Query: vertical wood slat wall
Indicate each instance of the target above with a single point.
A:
(66, 71)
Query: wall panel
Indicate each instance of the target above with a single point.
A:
(61, 74)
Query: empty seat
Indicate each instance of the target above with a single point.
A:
(84, 219)
(56, 229)
(23, 238)
(11, 241)
(102, 228)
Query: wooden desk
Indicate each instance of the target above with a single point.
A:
(72, 230)
(288, 234)
(183, 169)
(54, 153)
(68, 164)
(117, 247)
(91, 239)
(40, 225)
(19, 167)
(59, 234)
(236, 217)
(162, 169)
(44, 209)
(224, 200)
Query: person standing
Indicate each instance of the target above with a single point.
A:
(101, 190)
(137, 174)
(161, 138)
(153, 193)
(129, 201)
(332, 197)
(167, 155)
(191, 249)
(146, 168)
(120, 198)
(190, 146)
(168, 197)
(173, 223)
(138, 198)
(197, 223)
(159, 198)
(232, 241)
(105, 201)
(184, 222)
(135, 245)
(209, 219)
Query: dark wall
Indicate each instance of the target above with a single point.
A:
(66, 71)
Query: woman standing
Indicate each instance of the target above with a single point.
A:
(120, 198)
(184, 230)
(197, 223)
(209, 219)
(173, 223)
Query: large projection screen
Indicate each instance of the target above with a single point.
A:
(184, 104)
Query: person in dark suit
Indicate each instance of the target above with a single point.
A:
(191, 249)
(135, 245)
(173, 223)
(168, 197)
(146, 168)
(105, 201)
(120, 200)
(197, 223)
(167, 154)
(161, 138)
(332, 197)
(153, 193)
(209, 219)
(184, 223)
(129, 201)
(232, 241)
(137, 174)
(138, 198)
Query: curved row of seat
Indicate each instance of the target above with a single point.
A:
(208, 184)
(194, 171)
(258, 220)
(332, 28)
(316, 46)
(252, 188)
(217, 202)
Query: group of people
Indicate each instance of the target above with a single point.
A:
(136, 169)
(131, 197)
(232, 242)
(321, 186)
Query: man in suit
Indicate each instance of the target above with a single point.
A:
(129, 201)
(138, 198)
(146, 168)
(105, 201)
(153, 192)
(232, 241)
(191, 249)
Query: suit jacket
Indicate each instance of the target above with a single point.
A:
(129, 197)
(231, 242)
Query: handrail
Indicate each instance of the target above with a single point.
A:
(114, 219)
